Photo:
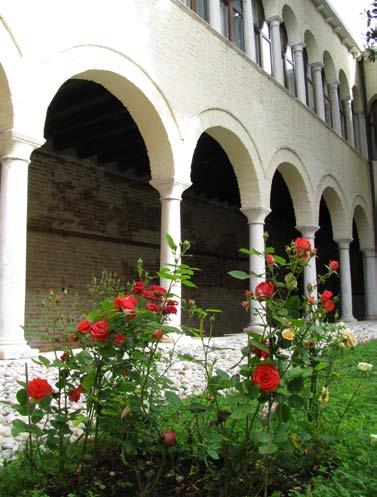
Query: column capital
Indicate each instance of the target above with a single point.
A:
(255, 215)
(333, 86)
(344, 243)
(308, 231)
(298, 47)
(317, 66)
(369, 252)
(275, 20)
(170, 188)
(15, 145)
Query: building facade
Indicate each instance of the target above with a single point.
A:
(210, 120)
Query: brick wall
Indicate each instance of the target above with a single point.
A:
(83, 219)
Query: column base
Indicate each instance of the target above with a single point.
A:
(371, 317)
(255, 328)
(349, 320)
(17, 351)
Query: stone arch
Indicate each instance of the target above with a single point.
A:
(331, 191)
(329, 66)
(344, 89)
(293, 171)
(239, 147)
(135, 90)
(311, 47)
(363, 222)
(291, 25)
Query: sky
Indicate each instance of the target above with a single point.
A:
(350, 13)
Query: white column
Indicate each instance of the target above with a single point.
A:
(170, 191)
(255, 219)
(15, 157)
(318, 89)
(248, 24)
(277, 58)
(214, 13)
(370, 283)
(298, 54)
(363, 135)
(334, 101)
(347, 106)
(345, 280)
(310, 270)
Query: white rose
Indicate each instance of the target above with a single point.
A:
(364, 366)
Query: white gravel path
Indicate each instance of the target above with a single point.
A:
(187, 376)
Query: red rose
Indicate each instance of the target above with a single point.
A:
(264, 290)
(333, 265)
(270, 259)
(267, 377)
(38, 389)
(303, 247)
(100, 330)
(329, 305)
(170, 307)
(84, 326)
(138, 287)
(262, 354)
(125, 372)
(169, 438)
(326, 295)
(75, 394)
(64, 356)
(119, 339)
(157, 334)
(248, 294)
(152, 307)
(155, 292)
(311, 300)
(148, 295)
(126, 304)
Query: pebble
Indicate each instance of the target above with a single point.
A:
(188, 377)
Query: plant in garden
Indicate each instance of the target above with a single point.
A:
(113, 373)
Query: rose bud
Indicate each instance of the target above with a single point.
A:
(333, 265)
(157, 334)
(169, 438)
(270, 259)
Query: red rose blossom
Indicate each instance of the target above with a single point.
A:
(311, 300)
(329, 305)
(170, 307)
(303, 247)
(84, 326)
(333, 265)
(152, 307)
(38, 389)
(169, 438)
(126, 304)
(138, 287)
(156, 292)
(326, 295)
(264, 290)
(64, 356)
(270, 259)
(267, 377)
(119, 339)
(100, 330)
(75, 394)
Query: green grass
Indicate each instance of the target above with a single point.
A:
(355, 475)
